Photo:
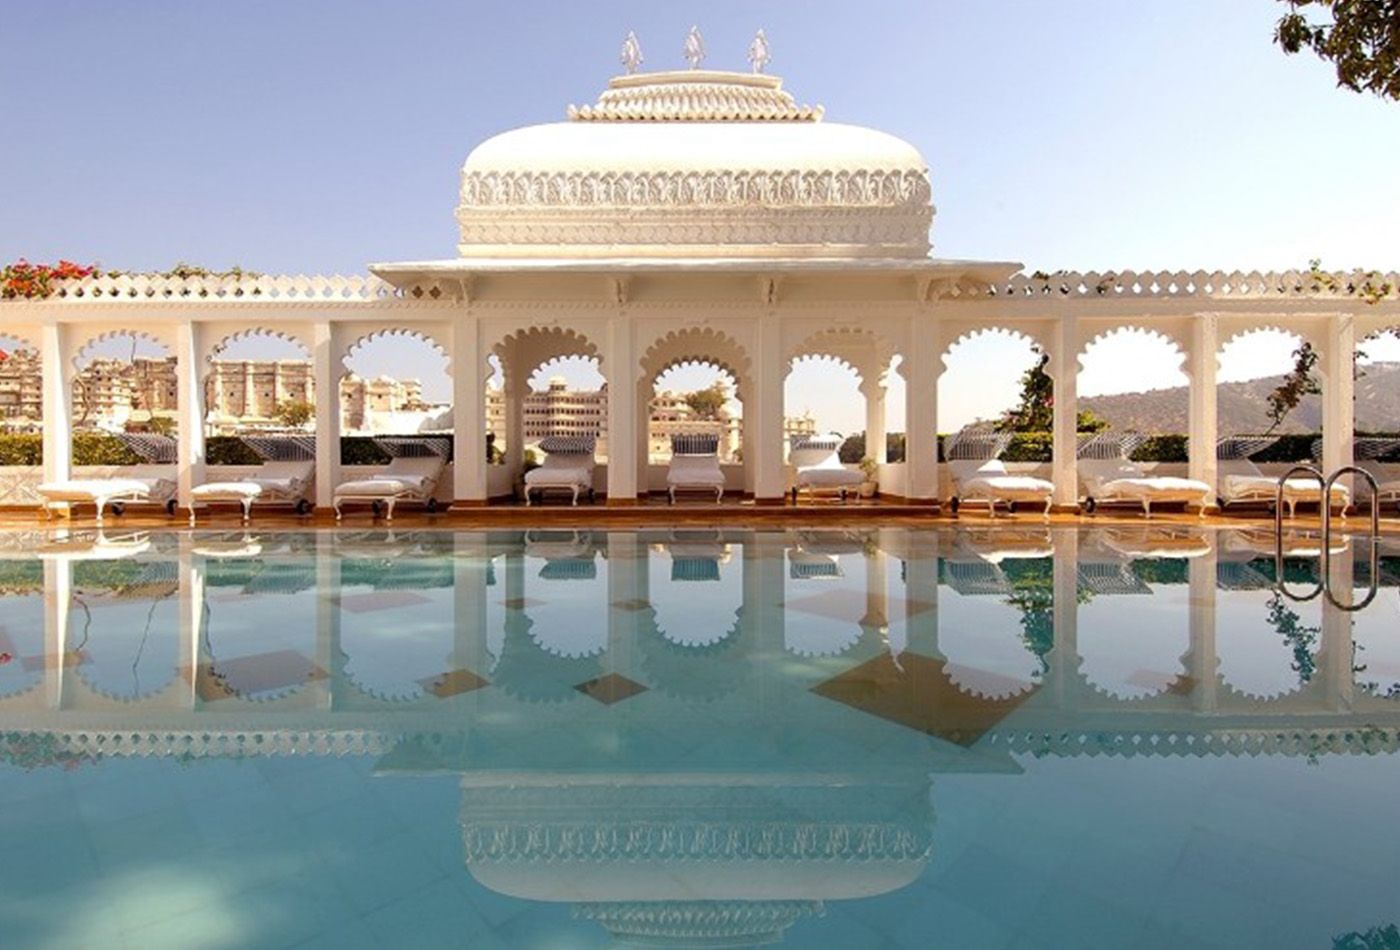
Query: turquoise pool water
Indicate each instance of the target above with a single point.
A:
(1004, 737)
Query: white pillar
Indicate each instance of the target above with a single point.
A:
(1064, 659)
(1203, 660)
(921, 368)
(621, 373)
(1064, 370)
(328, 655)
(58, 403)
(1202, 420)
(513, 393)
(770, 372)
(1338, 360)
(873, 389)
(189, 407)
(468, 413)
(58, 603)
(1337, 647)
(325, 359)
(191, 621)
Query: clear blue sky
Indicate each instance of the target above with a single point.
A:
(316, 136)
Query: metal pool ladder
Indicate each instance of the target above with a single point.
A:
(1325, 587)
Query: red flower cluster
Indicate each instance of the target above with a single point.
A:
(35, 281)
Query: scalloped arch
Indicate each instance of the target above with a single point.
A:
(974, 333)
(27, 343)
(527, 349)
(80, 355)
(696, 345)
(1156, 333)
(396, 332)
(217, 348)
(1263, 327)
(850, 346)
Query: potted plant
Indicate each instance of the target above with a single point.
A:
(871, 470)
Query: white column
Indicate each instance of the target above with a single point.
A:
(921, 368)
(58, 603)
(873, 389)
(325, 359)
(769, 372)
(621, 373)
(191, 622)
(513, 393)
(1202, 421)
(328, 656)
(1338, 360)
(468, 413)
(1338, 647)
(1064, 369)
(1064, 659)
(1203, 660)
(58, 403)
(189, 407)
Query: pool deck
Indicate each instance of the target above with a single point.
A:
(658, 513)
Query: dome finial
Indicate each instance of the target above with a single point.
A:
(631, 53)
(760, 55)
(694, 48)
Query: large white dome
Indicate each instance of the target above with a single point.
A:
(695, 164)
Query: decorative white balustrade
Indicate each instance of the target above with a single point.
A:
(1356, 285)
(232, 288)
(1364, 286)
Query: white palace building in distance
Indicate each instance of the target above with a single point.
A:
(696, 216)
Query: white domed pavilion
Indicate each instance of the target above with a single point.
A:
(698, 216)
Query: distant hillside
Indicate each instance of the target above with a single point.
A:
(1242, 406)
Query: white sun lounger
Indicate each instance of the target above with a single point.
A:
(1241, 482)
(410, 478)
(144, 484)
(695, 466)
(819, 468)
(568, 466)
(979, 475)
(1108, 477)
(281, 482)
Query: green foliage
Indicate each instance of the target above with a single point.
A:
(1385, 937)
(1035, 410)
(21, 449)
(1030, 447)
(295, 413)
(1163, 570)
(1299, 382)
(361, 450)
(1360, 38)
(1300, 638)
(99, 448)
(709, 402)
(229, 450)
(1163, 448)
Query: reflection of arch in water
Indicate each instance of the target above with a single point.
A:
(21, 628)
(396, 660)
(832, 608)
(559, 623)
(527, 671)
(1266, 648)
(691, 671)
(130, 649)
(695, 598)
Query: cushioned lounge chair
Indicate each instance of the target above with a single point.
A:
(1108, 477)
(568, 466)
(980, 476)
(695, 466)
(289, 465)
(1240, 481)
(819, 469)
(412, 475)
(150, 483)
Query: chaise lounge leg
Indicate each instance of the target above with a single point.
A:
(247, 511)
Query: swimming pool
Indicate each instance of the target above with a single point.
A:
(997, 737)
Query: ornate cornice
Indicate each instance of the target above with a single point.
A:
(695, 96)
(679, 189)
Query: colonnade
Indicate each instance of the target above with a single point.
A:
(631, 330)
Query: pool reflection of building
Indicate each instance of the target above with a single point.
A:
(690, 737)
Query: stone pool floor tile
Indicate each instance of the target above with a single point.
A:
(392, 869)
(434, 916)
